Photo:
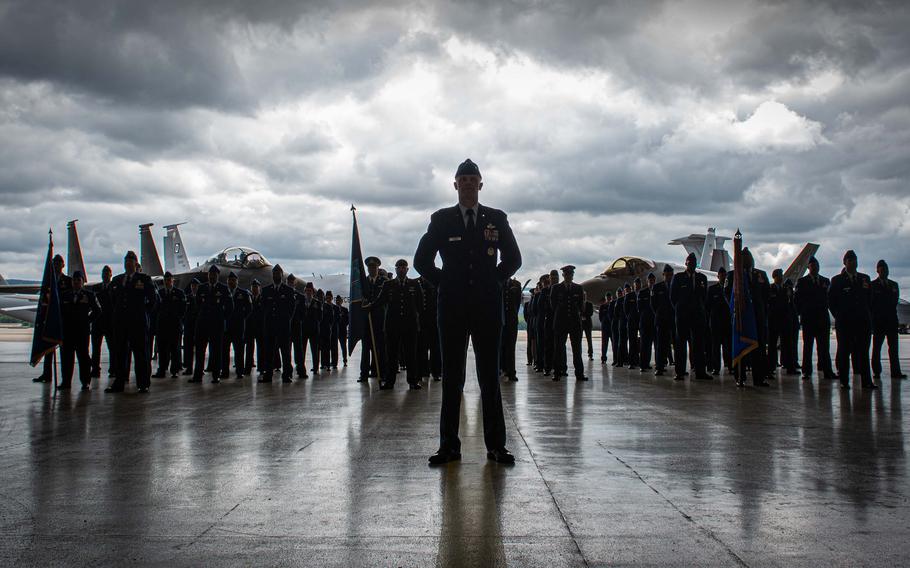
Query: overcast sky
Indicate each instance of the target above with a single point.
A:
(602, 128)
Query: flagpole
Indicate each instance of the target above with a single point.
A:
(375, 349)
(738, 303)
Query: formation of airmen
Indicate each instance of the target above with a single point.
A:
(196, 330)
(679, 320)
(682, 320)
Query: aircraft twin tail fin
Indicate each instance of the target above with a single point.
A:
(799, 265)
(74, 260)
(175, 259)
(148, 252)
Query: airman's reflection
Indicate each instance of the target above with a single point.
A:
(471, 532)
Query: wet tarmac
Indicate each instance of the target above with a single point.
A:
(626, 469)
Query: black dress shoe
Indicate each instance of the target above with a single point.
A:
(113, 389)
(63, 387)
(384, 385)
(415, 386)
(581, 378)
(704, 377)
(845, 386)
(195, 380)
(188, 373)
(158, 375)
(362, 380)
(444, 456)
(440, 378)
(264, 380)
(679, 378)
(286, 380)
(876, 377)
(86, 387)
(142, 390)
(41, 379)
(659, 373)
(807, 378)
(870, 386)
(501, 455)
(513, 379)
(900, 376)
(555, 378)
(646, 368)
(546, 373)
(763, 384)
(215, 380)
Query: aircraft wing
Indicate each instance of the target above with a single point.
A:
(20, 289)
(799, 265)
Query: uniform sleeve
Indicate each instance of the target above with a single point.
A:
(425, 255)
(509, 254)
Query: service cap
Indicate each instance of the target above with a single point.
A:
(468, 168)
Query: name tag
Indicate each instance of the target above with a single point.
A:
(454, 239)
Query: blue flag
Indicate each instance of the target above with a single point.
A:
(356, 318)
(745, 328)
(48, 333)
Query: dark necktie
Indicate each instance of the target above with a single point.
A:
(470, 226)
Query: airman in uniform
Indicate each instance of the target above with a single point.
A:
(103, 324)
(372, 349)
(603, 314)
(664, 320)
(252, 337)
(64, 283)
(79, 308)
(135, 298)
(885, 296)
(811, 299)
(511, 303)
(279, 302)
(719, 320)
(171, 309)
(189, 326)
(631, 317)
(850, 299)
(568, 300)
(646, 325)
(688, 291)
(215, 307)
(401, 301)
(344, 320)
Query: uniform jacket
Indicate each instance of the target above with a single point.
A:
(717, 306)
(171, 309)
(885, 295)
(568, 300)
(135, 298)
(688, 293)
(254, 321)
(278, 306)
(79, 310)
(645, 314)
(104, 322)
(402, 302)
(511, 302)
(475, 266)
(310, 315)
(243, 305)
(660, 303)
(850, 299)
(215, 306)
(811, 300)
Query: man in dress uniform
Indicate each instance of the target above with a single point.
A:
(587, 326)
(811, 299)
(215, 306)
(688, 290)
(719, 320)
(79, 308)
(309, 313)
(664, 320)
(430, 359)
(103, 324)
(620, 349)
(777, 317)
(850, 299)
(297, 341)
(544, 337)
(64, 283)
(135, 299)
(603, 314)
(885, 295)
(470, 238)
(631, 316)
(344, 320)
(326, 323)
(549, 312)
(372, 348)
(235, 329)
(528, 314)
(511, 303)
(332, 359)
(568, 299)
(189, 326)
(279, 301)
(646, 324)
(171, 309)
(400, 298)
(252, 337)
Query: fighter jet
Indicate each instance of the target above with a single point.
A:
(708, 248)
